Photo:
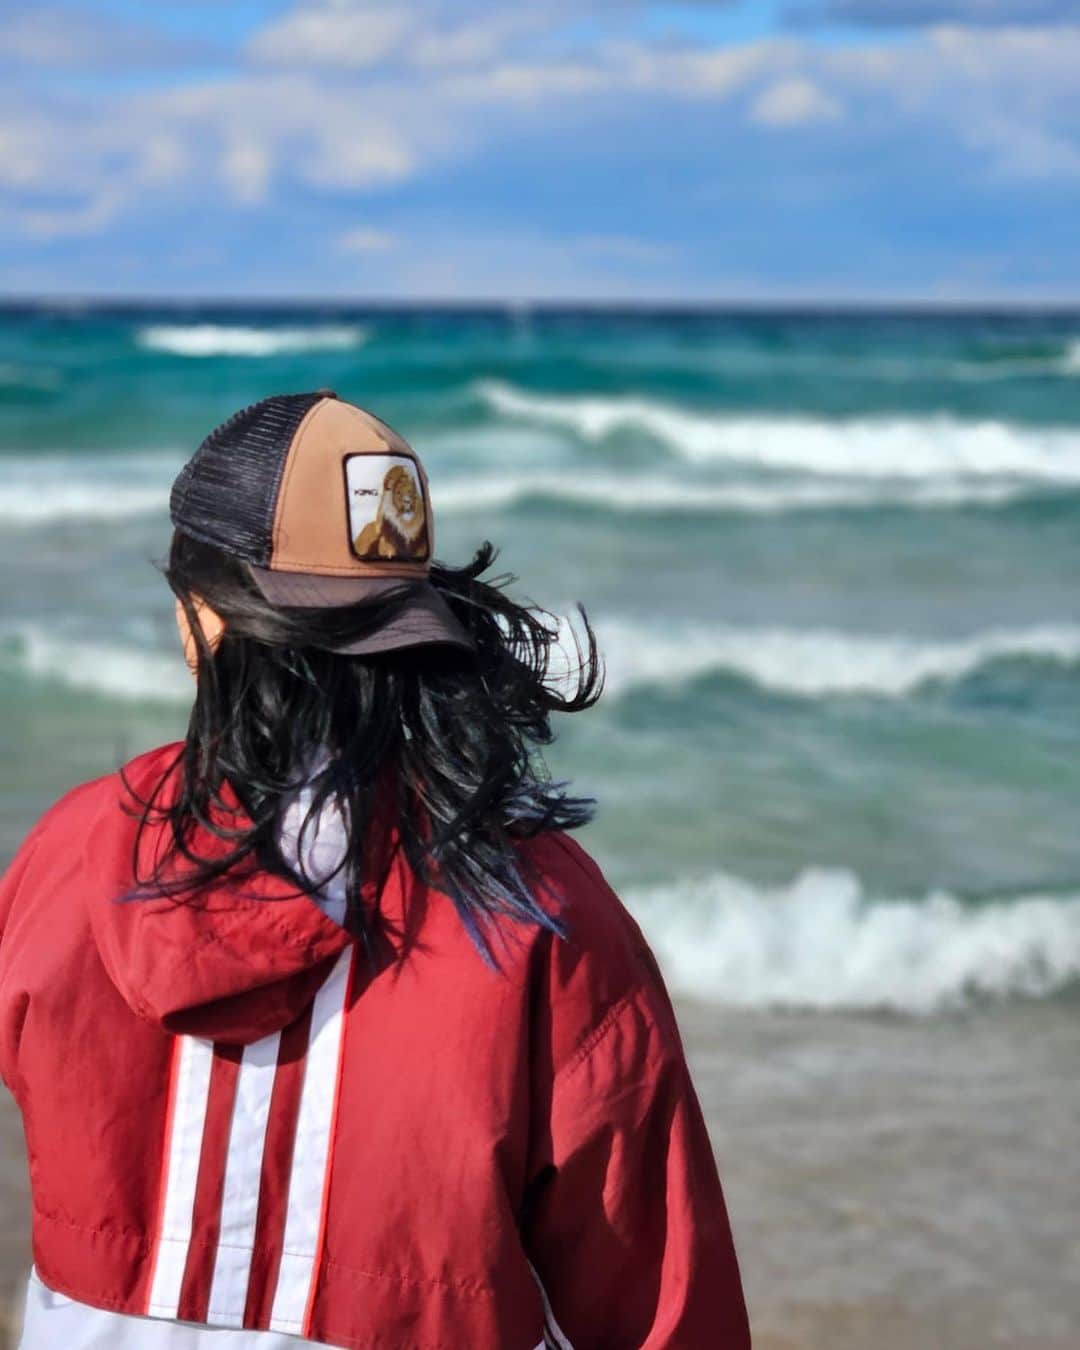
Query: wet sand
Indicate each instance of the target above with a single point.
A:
(893, 1183)
(900, 1184)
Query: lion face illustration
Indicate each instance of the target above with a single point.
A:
(399, 527)
(405, 501)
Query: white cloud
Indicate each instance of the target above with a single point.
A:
(369, 156)
(1008, 94)
(86, 218)
(37, 38)
(22, 149)
(475, 41)
(513, 264)
(74, 168)
(343, 137)
(535, 82)
(63, 178)
(717, 73)
(330, 35)
(794, 102)
(357, 35)
(364, 239)
(1019, 152)
(246, 167)
(164, 157)
(628, 68)
(55, 37)
(348, 99)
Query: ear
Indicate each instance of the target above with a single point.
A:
(210, 622)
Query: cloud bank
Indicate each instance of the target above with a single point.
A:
(442, 145)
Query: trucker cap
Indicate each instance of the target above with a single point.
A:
(326, 505)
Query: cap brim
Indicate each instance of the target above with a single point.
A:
(424, 618)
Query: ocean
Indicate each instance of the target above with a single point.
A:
(832, 561)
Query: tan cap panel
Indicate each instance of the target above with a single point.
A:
(311, 520)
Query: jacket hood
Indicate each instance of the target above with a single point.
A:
(234, 962)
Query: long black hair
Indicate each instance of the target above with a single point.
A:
(452, 734)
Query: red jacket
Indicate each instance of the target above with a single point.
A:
(232, 1119)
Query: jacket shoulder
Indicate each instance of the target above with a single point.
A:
(52, 851)
(603, 964)
(573, 886)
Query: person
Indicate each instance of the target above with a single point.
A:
(323, 1028)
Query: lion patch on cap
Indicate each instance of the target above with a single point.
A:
(399, 529)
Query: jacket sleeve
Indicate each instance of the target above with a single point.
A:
(12, 1005)
(626, 1226)
(12, 877)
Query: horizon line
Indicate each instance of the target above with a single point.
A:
(612, 304)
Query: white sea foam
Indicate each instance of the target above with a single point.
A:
(820, 942)
(112, 670)
(81, 501)
(926, 448)
(116, 488)
(808, 663)
(211, 339)
(1070, 362)
(647, 493)
(801, 663)
(51, 488)
(1066, 362)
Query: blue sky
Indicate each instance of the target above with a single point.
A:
(918, 150)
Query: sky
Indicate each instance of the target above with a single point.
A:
(706, 151)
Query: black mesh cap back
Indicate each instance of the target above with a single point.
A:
(226, 493)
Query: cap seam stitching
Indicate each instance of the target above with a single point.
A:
(287, 471)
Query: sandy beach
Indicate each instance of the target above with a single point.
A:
(898, 1183)
(893, 1183)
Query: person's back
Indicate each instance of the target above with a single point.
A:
(321, 1024)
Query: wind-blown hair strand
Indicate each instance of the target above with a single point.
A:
(454, 735)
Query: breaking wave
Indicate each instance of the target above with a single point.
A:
(109, 669)
(792, 662)
(81, 501)
(932, 447)
(104, 487)
(1071, 360)
(211, 339)
(646, 493)
(811, 663)
(821, 943)
(115, 489)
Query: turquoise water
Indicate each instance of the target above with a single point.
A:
(832, 562)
